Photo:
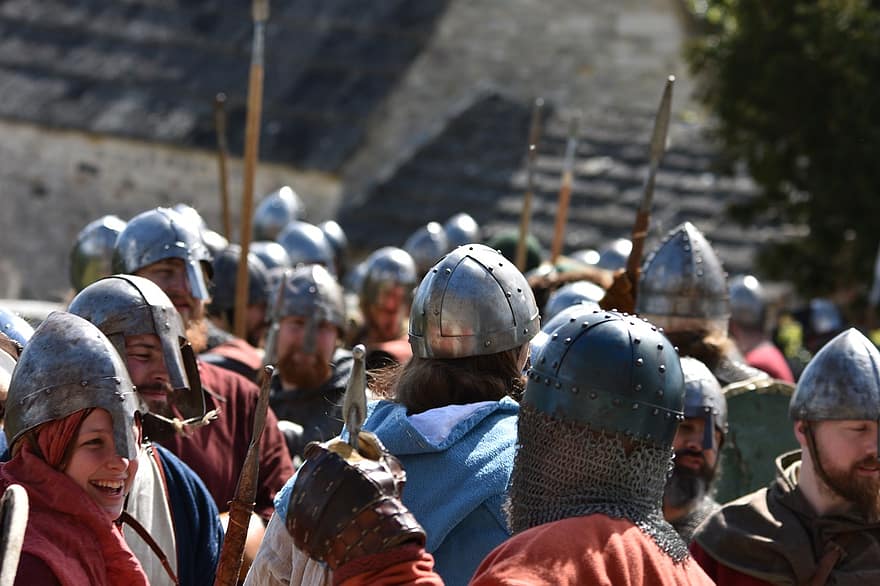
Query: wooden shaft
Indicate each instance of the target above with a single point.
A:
(561, 216)
(526, 214)
(222, 156)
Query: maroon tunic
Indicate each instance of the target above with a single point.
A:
(217, 451)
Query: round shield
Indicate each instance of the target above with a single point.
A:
(13, 521)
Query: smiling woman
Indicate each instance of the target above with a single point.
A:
(74, 430)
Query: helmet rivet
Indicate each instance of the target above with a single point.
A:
(613, 309)
(547, 381)
(635, 406)
(487, 343)
(84, 383)
(660, 393)
(659, 346)
(555, 364)
(558, 385)
(637, 340)
(655, 411)
(554, 336)
(424, 312)
(525, 330)
(518, 290)
(567, 341)
(662, 368)
(448, 271)
(638, 388)
(509, 294)
(640, 361)
(593, 396)
(543, 360)
(653, 329)
(668, 415)
(574, 389)
(435, 270)
(491, 269)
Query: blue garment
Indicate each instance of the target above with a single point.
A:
(197, 528)
(456, 480)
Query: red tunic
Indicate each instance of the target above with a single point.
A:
(768, 358)
(723, 575)
(217, 451)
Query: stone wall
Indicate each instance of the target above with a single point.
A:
(52, 183)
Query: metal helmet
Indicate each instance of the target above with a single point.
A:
(748, 302)
(226, 275)
(214, 241)
(549, 325)
(842, 381)
(276, 211)
(271, 254)
(306, 244)
(313, 292)
(15, 327)
(426, 245)
(824, 318)
(158, 234)
(92, 253)
(68, 366)
(338, 242)
(588, 256)
(613, 256)
(387, 267)
(473, 302)
(128, 305)
(683, 285)
(572, 294)
(703, 398)
(613, 372)
(191, 215)
(461, 229)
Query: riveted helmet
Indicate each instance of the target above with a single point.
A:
(473, 302)
(311, 291)
(612, 372)
(824, 317)
(748, 302)
(703, 398)
(387, 267)
(159, 234)
(306, 244)
(271, 254)
(225, 277)
(276, 211)
(613, 256)
(92, 253)
(338, 242)
(128, 305)
(68, 366)
(683, 285)
(15, 327)
(842, 381)
(461, 229)
(573, 294)
(426, 245)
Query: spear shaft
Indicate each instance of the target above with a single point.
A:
(526, 215)
(565, 188)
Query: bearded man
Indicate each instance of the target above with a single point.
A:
(689, 495)
(819, 522)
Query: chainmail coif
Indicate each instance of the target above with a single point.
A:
(563, 469)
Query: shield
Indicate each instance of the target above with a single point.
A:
(759, 430)
(13, 521)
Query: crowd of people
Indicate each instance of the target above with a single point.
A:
(559, 424)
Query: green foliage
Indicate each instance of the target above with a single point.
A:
(795, 86)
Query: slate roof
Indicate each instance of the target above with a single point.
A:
(149, 69)
(476, 164)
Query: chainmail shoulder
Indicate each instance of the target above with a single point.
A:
(687, 525)
(564, 469)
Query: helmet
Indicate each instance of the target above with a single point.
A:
(92, 253)
(276, 211)
(588, 256)
(573, 294)
(461, 229)
(306, 244)
(214, 241)
(613, 256)
(338, 242)
(68, 366)
(683, 285)
(825, 318)
(389, 266)
(473, 302)
(747, 301)
(426, 245)
(271, 254)
(158, 234)
(191, 215)
(15, 327)
(704, 398)
(128, 305)
(225, 277)
(313, 292)
(611, 372)
(842, 381)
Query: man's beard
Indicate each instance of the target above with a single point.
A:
(863, 492)
(304, 371)
(686, 486)
(197, 332)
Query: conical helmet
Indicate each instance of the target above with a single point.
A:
(704, 398)
(473, 302)
(276, 211)
(92, 253)
(748, 302)
(14, 326)
(306, 244)
(426, 245)
(683, 285)
(387, 267)
(67, 366)
(842, 381)
(461, 229)
(311, 291)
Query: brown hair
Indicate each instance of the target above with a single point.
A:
(427, 383)
(709, 347)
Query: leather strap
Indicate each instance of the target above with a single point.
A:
(148, 539)
(834, 552)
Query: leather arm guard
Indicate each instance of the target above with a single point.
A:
(346, 504)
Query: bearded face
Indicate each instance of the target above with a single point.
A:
(305, 351)
(688, 484)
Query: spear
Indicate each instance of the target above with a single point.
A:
(222, 154)
(526, 216)
(643, 215)
(354, 404)
(241, 507)
(260, 11)
(565, 188)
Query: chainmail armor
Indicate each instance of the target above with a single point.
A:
(563, 469)
(687, 525)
